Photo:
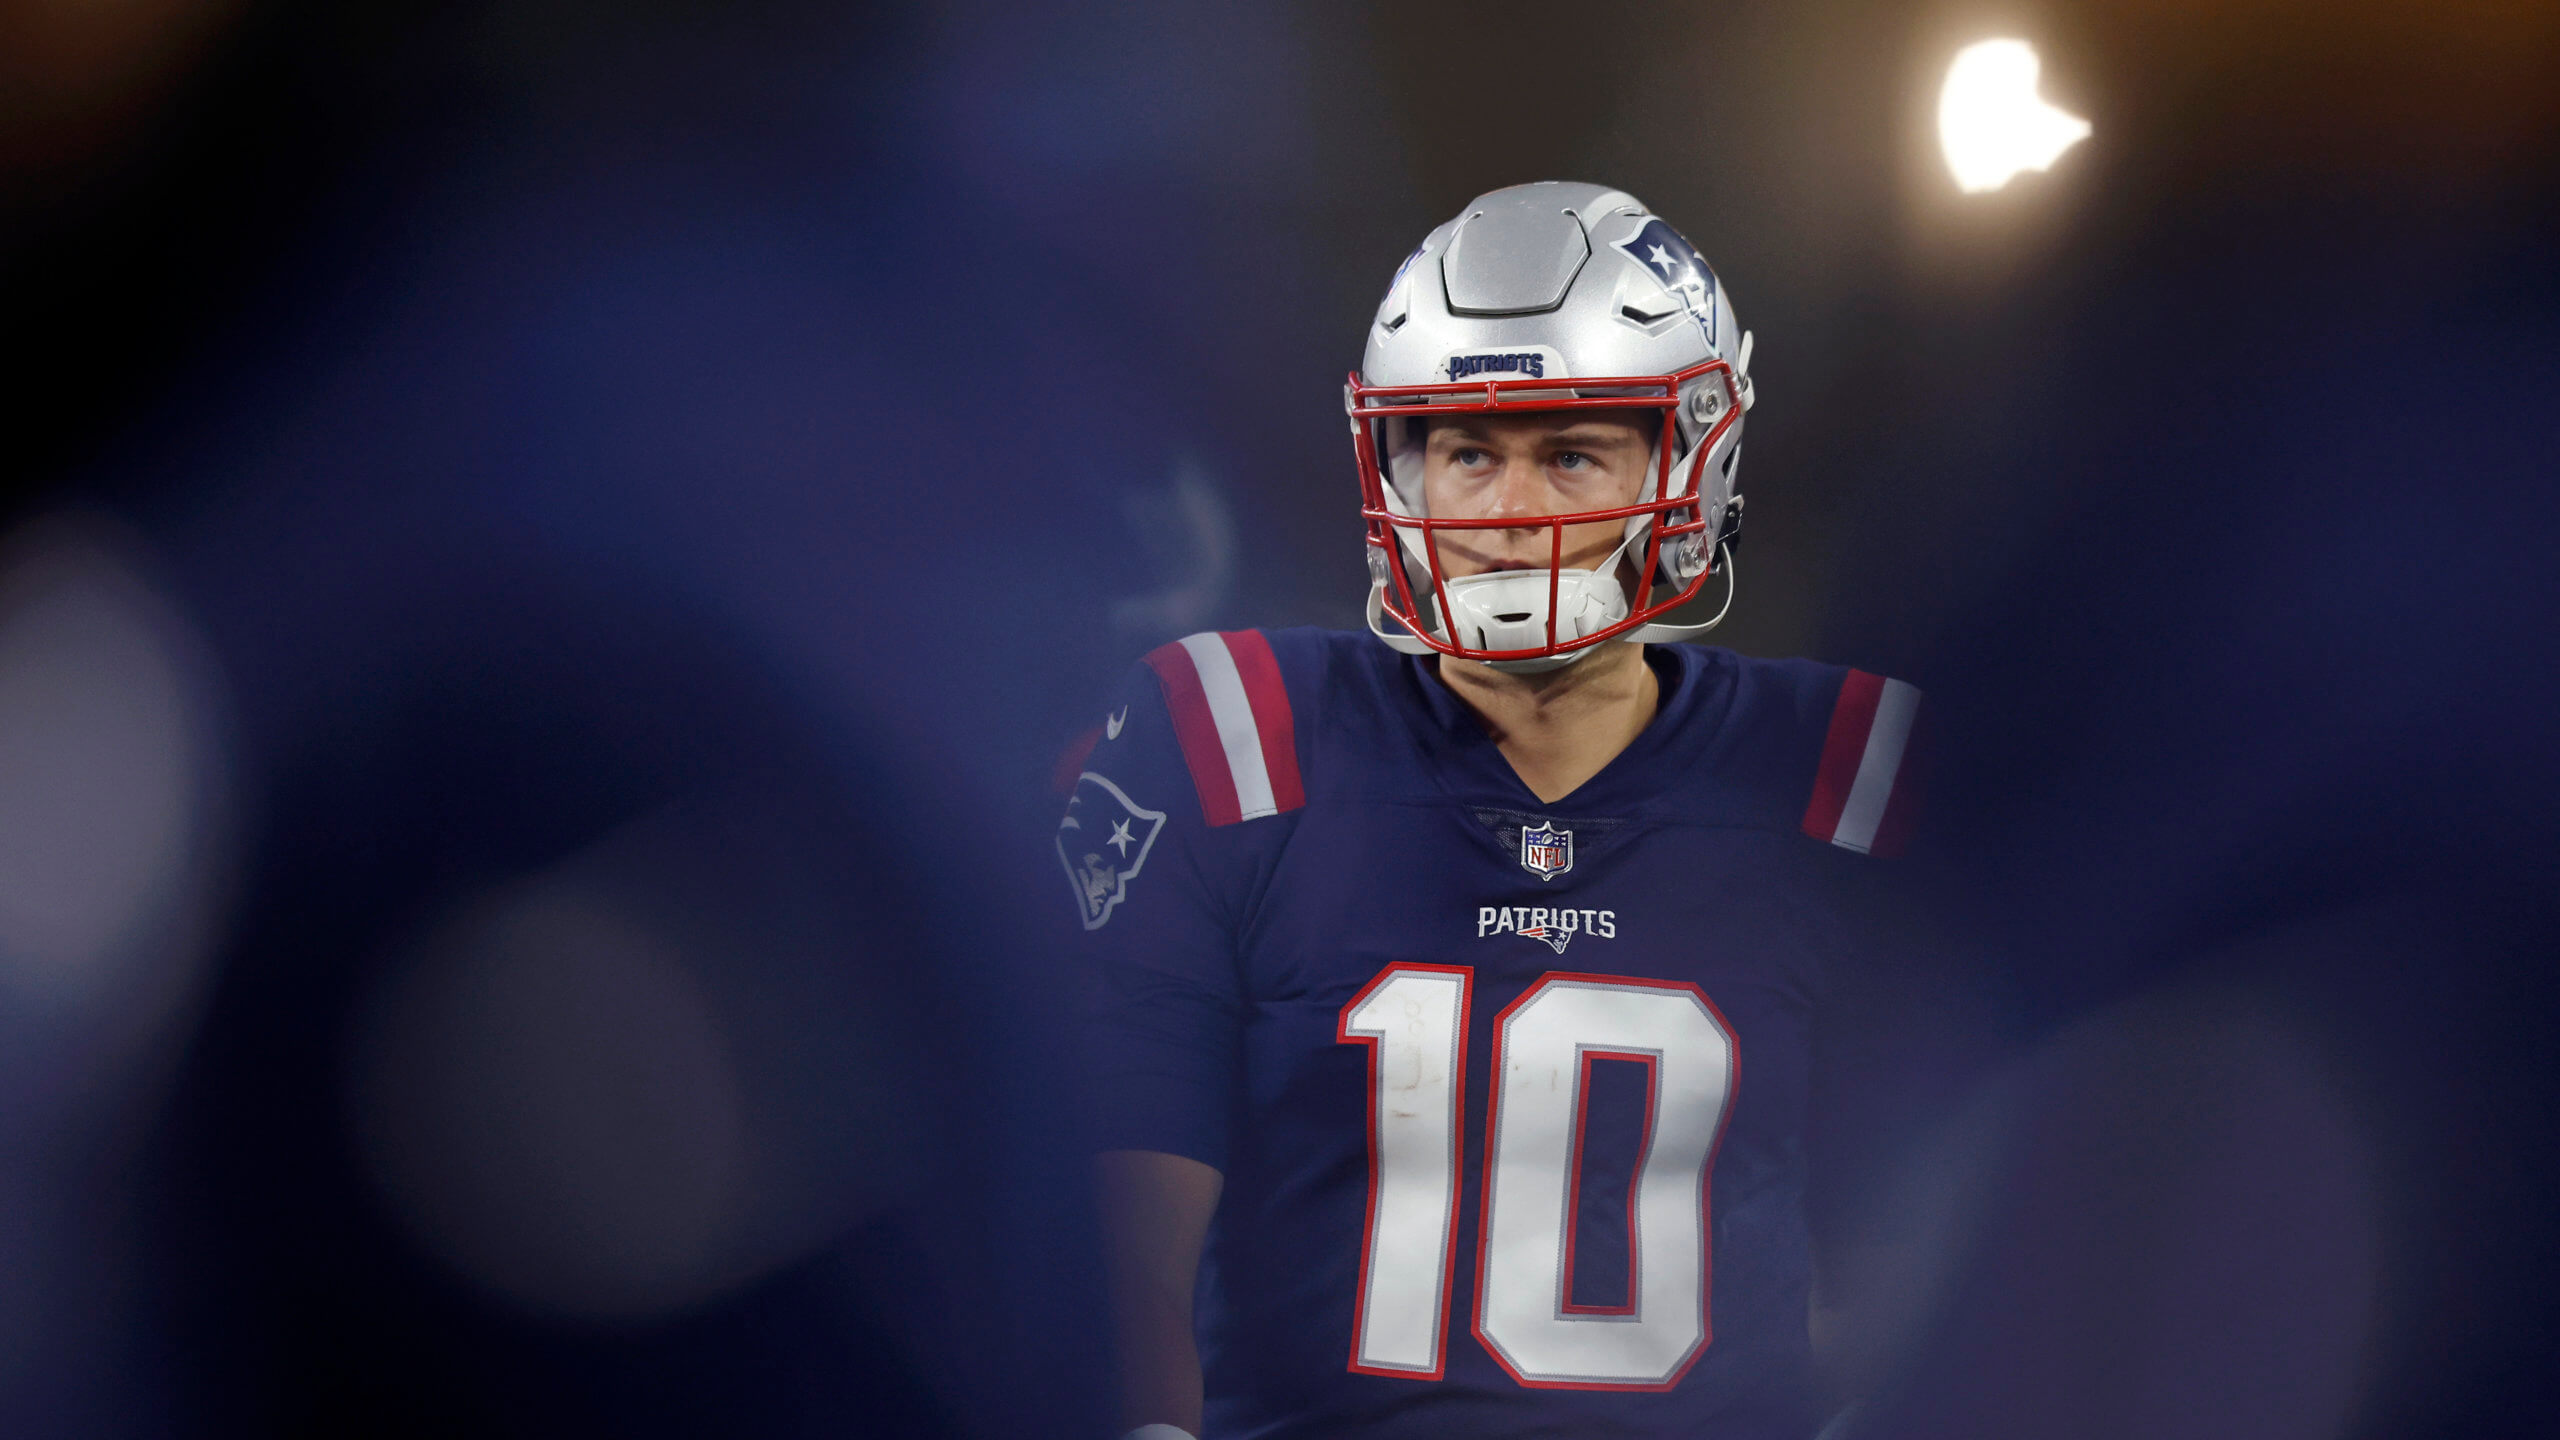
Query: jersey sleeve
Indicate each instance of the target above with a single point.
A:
(1867, 789)
(1176, 815)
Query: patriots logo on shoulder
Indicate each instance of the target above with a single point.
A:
(1676, 263)
(1546, 851)
(1103, 843)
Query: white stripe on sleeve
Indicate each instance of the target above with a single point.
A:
(1873, 789)
(1237, 733)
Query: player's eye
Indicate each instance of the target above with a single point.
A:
(1574, 460)
(1466, 457)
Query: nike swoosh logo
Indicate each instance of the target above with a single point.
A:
(1111, 724)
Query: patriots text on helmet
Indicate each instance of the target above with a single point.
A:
(1521, 362)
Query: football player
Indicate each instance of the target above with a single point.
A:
(1455, 975)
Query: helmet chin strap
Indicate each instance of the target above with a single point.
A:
(1673, 634)
(1402, 641)
(1526, 609)
(1405, 642)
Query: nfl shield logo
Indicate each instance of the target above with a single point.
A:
(1546, 851)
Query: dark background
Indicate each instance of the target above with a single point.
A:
(552, 548)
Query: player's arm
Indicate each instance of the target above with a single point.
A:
(1155, 1220)
(1165, 848)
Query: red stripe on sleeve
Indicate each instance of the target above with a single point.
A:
(1902, 807)
(1260, 670)
(1851, 718)
(1198, 731)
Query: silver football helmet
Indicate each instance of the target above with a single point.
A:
(1528, 287)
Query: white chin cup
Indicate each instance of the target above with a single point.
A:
(1507, 610)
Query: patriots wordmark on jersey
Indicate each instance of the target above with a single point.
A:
(1509, 1097)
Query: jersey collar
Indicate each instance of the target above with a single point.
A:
(1695, 692)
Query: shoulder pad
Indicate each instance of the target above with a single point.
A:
(1866, 791)
(1231, 712)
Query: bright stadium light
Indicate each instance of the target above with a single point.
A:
(1992, 122)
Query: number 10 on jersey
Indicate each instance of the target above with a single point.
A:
(1413, 1018)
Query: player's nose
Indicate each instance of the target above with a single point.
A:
(1521, 490)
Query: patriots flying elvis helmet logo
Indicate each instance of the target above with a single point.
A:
(1676, 263)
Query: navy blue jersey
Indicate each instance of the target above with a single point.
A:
(1510, 1097)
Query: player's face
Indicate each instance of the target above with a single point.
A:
(1531, 465)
